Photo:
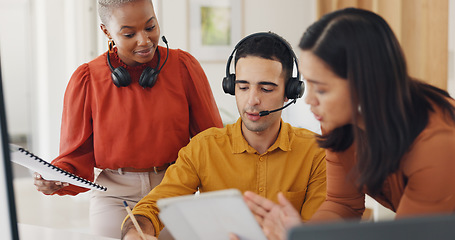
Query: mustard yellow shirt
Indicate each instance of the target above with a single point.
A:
(220, 158)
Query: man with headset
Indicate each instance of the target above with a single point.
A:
(260, 152)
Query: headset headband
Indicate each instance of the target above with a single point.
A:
(228, 65)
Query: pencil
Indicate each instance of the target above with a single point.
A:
(133, 219)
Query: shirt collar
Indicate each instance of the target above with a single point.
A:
(240, 144)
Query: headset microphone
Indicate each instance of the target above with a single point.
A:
(167, 54)
(265, 113)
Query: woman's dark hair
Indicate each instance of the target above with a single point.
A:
(359, 46)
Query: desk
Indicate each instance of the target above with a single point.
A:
(31, 232)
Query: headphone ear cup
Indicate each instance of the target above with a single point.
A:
(148, 77)
(294, 88)
(120, 77)
(229, 84)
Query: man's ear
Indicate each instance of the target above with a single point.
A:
(105, 31)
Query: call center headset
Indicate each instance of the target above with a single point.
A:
(294, 87)
(122, 78)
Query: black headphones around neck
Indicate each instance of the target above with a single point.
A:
(121, 77)
(294, 86)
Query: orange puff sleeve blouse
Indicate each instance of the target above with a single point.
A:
(105, 126)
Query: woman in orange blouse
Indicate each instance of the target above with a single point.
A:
(128, 112)
(386, 134)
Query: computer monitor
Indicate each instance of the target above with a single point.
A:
(440, 227)
(8, 218)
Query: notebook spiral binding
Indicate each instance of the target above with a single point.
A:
(77, 178)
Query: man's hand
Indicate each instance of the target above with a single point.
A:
(129, 232)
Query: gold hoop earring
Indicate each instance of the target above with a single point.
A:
(110, 45)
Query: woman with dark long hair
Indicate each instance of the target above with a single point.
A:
(387, 135)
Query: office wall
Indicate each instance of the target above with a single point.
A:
(42, 43)
(421, 27)
(14, 47)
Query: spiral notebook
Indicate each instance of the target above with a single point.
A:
(48, 171)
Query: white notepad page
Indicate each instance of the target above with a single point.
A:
(48, 171)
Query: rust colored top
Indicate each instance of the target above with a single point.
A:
(423, 184)
(105, 126)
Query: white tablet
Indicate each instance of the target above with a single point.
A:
(208, 216)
